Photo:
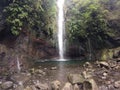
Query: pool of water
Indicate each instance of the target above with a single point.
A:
(63, 69)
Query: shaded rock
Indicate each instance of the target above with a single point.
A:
(7, 85)
(87, 85)
(104, 64)
(117, 84)
(68, 86)
(90, 84)
(116, 53)
(55, 85)
(112, 63)
(76, 87)
(118, 59)
(76, 78)
(88, 65)
(42, 86)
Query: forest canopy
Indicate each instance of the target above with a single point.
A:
(37, 16)
(92, 20)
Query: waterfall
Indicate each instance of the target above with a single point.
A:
(90, 49)
(18, 65)
(60, 4)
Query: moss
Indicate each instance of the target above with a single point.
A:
(107, 54)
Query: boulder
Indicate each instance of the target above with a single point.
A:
(55, 85)
(76, 87)
(7, 85)
(68, 86)
(76, 78)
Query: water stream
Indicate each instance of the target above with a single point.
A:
(60, 4)
(90, 49)
(18, 65)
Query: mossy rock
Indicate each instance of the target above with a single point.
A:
(107, 54)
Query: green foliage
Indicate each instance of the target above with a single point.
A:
(87, 20)
(21, 14)
(49, 17)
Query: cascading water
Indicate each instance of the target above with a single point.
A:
(18, 65)
(60, 4)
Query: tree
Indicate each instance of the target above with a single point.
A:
(22, 13)
(87, 21)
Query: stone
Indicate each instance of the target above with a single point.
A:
(91, 83)
(55, 85)
(117, 84)
(7, 85)
(53, 68)
(104, 64)
(68, 86)
(105, 74)
(76, 78)
(39, 71)
(103, 78)
(76, 87)
(42, 86)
